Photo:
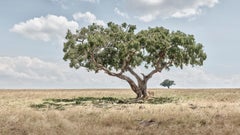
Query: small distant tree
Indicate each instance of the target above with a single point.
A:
(167, 83)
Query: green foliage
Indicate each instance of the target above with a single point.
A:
(167, 83)
(117, 47)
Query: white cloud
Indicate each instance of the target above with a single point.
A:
(117, 11)
(147, 18)
(186, 13)
(151, 2)
(88, 18)
(46, 28)
(149, 10)
(66, 4)
(27, 68)
(91, 1)
(30, 72)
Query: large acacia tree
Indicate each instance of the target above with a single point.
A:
(118, 49)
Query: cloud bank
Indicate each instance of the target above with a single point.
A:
(88, 18)
(65, 4)
(32, 72)
(45, 28)
(91, 1)
(52, 27)
(120, 13)
(149, 10)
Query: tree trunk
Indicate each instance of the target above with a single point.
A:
(140, 90)
(144, 91)
(139, 94)
(135, 89)
(143, 88)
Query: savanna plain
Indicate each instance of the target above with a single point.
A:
(115, 112)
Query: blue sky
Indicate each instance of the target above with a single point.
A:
(32, 35)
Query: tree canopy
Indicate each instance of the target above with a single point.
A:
(118, 49)
(167, 83)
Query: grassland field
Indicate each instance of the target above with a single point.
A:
(108, 112)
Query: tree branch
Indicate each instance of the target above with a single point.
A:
(157, 69)
(119, 75)
(158, 66)
(123, 77)
(126, 61)
(139, 79)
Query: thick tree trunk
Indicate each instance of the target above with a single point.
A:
(135, 89)
(140, 90)
(145, 93)
(139, 94)
(143, 89)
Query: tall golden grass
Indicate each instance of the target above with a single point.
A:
(200, 111)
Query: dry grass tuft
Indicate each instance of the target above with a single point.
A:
(213, 111)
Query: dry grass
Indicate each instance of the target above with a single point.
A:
(209, 112)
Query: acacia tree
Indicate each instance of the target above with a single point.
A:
(118, 49)
(167, 83)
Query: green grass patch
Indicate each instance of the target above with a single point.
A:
(60, 104)
(162, 100)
